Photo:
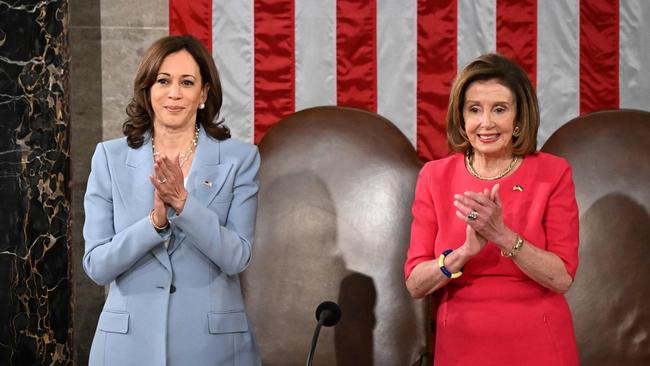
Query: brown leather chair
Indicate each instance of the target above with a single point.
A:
(333, 223)
(610, 298)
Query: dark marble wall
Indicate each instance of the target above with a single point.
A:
(35, 287)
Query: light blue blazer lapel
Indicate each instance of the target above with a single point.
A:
(136, 189)
(207, 176)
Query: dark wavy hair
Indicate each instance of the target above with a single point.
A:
(139, 111)
(508, 73)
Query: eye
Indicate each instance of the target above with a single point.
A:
(500, 109)
(162, 81)
(187, 83)
(473, 109)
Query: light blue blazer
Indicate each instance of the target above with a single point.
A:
(180, 305)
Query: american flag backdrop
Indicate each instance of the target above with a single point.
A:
(398, 58)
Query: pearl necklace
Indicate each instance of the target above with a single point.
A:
(470, 168)
(185, 155)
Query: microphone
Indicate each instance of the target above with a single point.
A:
(328, 313)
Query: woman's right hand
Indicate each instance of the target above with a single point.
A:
(159, 210)
(474, 243)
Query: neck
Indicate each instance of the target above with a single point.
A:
(489, 166)
(172, 141)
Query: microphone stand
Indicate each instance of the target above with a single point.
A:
(314, 339)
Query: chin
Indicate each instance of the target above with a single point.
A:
(175, 123)
(491, 150)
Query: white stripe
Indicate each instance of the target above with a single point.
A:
(558, 60)
(634, 66)
(315, 53)
(476, 29)
(232, 50)
(396, 64)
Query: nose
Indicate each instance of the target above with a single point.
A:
(174, 91)
(486, 118)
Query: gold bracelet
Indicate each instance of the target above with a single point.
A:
(515, 249)
(158, 228)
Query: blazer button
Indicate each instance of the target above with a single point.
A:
(172, 289)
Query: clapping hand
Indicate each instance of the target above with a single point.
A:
(483, 212)
(168, 182)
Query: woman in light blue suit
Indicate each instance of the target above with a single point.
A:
(170, 217)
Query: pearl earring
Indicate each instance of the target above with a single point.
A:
(202, 105)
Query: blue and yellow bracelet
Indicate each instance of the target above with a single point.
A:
(444, 270)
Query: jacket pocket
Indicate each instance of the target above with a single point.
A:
(227, 322)
(114, 321)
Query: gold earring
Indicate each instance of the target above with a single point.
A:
(516, 132)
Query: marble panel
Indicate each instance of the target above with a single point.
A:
(121, 53)
(35, 301)
(135, 14)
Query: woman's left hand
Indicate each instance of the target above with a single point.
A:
(169, 182)
(488, 220)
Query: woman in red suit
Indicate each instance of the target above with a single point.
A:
(495, 227)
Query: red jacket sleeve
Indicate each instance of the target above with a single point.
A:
(424, 227)
(561, 221)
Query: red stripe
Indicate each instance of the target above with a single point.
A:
(274, 72)
(517, 33)
(193, 18)
(356, 54)
(436, 63)
(599, 54)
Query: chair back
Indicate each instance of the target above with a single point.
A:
(609, 154)
(333, 223)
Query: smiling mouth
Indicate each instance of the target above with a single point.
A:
(174, 108)
(488, 137)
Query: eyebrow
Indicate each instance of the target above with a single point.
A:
(478, 102)
(183, 76)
